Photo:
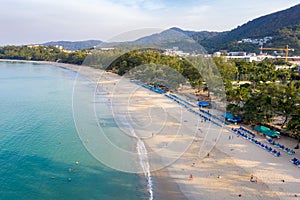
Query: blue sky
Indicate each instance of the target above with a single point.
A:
(36, 21)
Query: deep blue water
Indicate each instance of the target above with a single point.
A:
(39, 145)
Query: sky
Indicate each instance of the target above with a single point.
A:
(38, 21)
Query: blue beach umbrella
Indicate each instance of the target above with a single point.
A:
(203, 103)
(231, 118)
(228, 115)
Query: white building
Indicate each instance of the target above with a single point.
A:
(237, 53)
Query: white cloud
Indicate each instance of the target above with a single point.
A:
(148, 5)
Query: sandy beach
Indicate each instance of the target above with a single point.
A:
(178, 144)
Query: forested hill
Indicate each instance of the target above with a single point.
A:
(283, 26)
(173, 34)
(78, 45)
(169, 38)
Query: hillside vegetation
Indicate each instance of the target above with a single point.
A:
(283, 26)
(79, 45)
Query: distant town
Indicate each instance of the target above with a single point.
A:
(247, 56)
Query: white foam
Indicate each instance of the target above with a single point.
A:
(143, 158)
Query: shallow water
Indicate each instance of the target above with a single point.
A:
(39, 145)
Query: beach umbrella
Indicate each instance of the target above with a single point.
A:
(203, 103)
(231, 118)
(238, 119)
(235, 119)
(228, 115)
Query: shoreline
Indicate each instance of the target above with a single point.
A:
(224, 174)
(159, 180)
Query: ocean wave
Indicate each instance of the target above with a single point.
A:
(143, 157)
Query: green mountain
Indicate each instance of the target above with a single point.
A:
(282, 26)
(167, 39)
(174, 33)
(77, 45)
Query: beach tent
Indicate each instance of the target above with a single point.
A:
(271, 133)
(266, 131)
(203, 104)
(261, 129)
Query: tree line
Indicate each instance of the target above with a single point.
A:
(268, 94)
(42, 53)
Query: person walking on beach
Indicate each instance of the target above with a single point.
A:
(191, 177)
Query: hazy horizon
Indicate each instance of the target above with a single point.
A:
(36, 22)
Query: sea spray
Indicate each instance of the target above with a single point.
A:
(144, 162)
(143, 158)
(140, 147)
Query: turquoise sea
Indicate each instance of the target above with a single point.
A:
(39, 145)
